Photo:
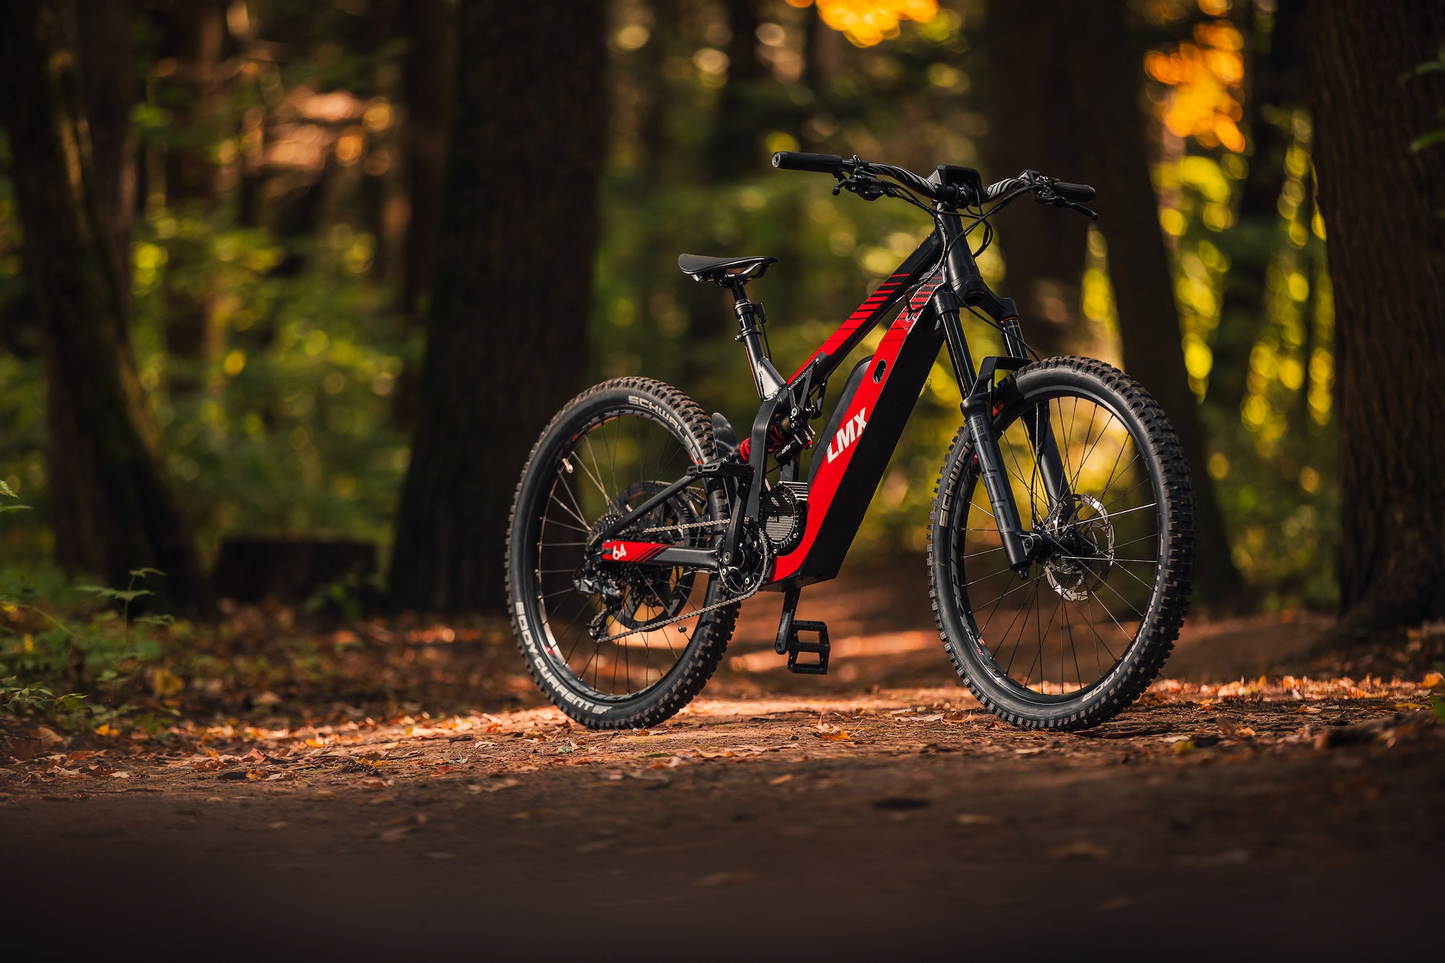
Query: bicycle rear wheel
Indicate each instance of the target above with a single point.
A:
(616, 646)
(1090, 625)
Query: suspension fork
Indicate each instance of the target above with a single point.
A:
(979, 402)
(1041, 436)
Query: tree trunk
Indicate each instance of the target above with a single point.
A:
(1275, 76)
(507, 327)
(1030, 125)
(1381, 204)
(112, 509)
(1116, 151)
(736, 148)
(107, 83)
(426, 84)
(192, 92)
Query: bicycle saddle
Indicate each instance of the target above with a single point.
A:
(714, 268)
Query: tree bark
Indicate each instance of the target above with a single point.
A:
(426, 85)
(507, 327)
(192, 91)
(1107, 96)
(1381, 204)
(107, 83)
(112, 509)
(1030, 125)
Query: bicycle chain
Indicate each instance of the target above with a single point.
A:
(684, 527)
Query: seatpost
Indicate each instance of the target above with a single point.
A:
(751, 317)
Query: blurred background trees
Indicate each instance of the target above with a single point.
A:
(311, 291)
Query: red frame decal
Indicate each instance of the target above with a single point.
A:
(632, 551)
(860, 317)
(837, 451)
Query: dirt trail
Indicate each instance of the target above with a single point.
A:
(900, 822)
(778, 816)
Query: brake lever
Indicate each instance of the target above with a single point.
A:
(864, 185)
(1047, 196)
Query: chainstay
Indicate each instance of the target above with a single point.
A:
(721, 604)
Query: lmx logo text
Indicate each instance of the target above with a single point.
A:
(848, 434)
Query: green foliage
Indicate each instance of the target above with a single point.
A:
(54, 667)
(294, 430)
(290, 417)
(1434, 137)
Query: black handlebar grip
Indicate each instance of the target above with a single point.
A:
(793, 160)
(1073, 192)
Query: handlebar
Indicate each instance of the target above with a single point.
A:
(796, 160)
(1074, 192)
(860, 176)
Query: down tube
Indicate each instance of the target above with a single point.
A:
(852, 462)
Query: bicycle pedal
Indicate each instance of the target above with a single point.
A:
(818, 648)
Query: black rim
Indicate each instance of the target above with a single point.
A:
(1062, 631)
(612, 463)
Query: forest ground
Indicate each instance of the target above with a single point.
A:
(874, 812)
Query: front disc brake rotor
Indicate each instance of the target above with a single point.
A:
(1087, 548)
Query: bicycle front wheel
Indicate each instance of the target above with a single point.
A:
(1088, 627)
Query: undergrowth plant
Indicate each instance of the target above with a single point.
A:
(56, 673)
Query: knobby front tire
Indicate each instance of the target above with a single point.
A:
(607, 451)
(1081, 637)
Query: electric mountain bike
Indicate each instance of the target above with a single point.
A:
(1061, 536)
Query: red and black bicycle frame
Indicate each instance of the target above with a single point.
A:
(937, 279)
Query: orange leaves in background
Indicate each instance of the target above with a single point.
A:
(1204, 77)
(869, 22)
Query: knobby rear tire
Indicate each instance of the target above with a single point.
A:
(692, 428)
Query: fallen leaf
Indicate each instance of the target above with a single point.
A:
(975, 819)
(779, 780)
(1184, 748)
(1112, 905)
(166, 683)
(718, 879)
(495, 785)
(1432, 680)
(49, 737)
(1083, 849)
